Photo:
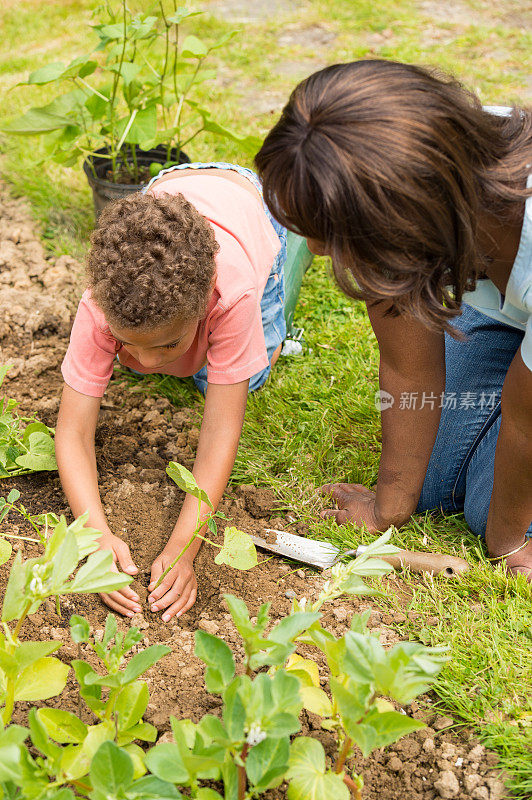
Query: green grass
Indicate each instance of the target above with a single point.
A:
(316, 420)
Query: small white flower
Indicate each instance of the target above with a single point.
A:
(255, 735)
(303, 603)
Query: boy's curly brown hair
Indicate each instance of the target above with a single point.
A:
(151, 261)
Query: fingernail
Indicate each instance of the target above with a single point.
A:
(131, 570)
(137, 608)
(154, 608)
(166, 617)
(129, 613)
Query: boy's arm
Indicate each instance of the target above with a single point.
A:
(223, 416)
(76, 459)
(412, 361)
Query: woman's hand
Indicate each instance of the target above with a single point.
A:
(125, 601)
(177, 592)
(355, 503)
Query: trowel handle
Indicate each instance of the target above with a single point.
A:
(437, 563)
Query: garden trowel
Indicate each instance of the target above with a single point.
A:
(325, 555)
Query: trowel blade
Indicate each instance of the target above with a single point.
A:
(308, 551)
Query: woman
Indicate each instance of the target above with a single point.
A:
(423, 200)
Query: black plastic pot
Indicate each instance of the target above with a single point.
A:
(104, 190)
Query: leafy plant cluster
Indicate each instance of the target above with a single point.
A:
(251, 748)
(137, 94)
(26, 445)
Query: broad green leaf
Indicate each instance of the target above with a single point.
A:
(136, 754)
(267, 763)
(217, 656)
(165, 761)
(142, 730)
(316, 701)
(11, 744)
(131, 704)
(46, 74)
(40, 738)
(43, 679)
(127, 70)
(96, 575)
(29, 652)
(79, 629)
(111, 770)
(65, 562)
(80, 67)
(234, 713)
(208, 794)
(352, 699)
(152, 788)
(186, 481)
(97, 735)
(34, 427)
(13, 496)
(363, 651)
(5, 551)
(75, 762)
(41, 455)
(144, 126)
(181, 14)
(62, 726)
(238, 550)
(14, 599)
(193, 48)
(144, 660)
(307, 775)
(304, 669)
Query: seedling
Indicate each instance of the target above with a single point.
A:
(237, 551)
(26, 445)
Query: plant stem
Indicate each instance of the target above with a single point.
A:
(344, 752)
(21, 621)
(353, 788)
(165, 63)
(113, 93)
(242, 778)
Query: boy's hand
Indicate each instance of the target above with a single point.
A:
(125, 601)
(177, 592)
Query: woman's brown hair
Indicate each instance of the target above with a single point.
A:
(391, 167)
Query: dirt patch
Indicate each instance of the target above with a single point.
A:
(251, 10)
(136, 437)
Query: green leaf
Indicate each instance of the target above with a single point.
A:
(165, 761)
(65, 561)
(208, 794)
(5, 551)
(234, 713)
(36, 120)
(152, 788)
(352, 699)
(62, 726)
(14, 599)
(97, 735)
(186, 482)
(34, 427)
(46, 74)
(217, 655)
(13, 496)
(193, 48)
(238, 550)
(42, 453)
(315, 700)
(11, 744)
(181, 14)
(127, 71)
(267, 763)
(45, 678)
(131, 704)
(144, 660)
(28, 653)
(96, 575)
(307, 775)
(79, 629)
(111, 770)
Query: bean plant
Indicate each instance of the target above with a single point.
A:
(26, 445)
(135, 89)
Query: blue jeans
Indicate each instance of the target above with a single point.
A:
(460, 472)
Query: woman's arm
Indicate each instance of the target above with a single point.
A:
(510, 511)
(412, 374)
(223, 416)
(76, 460)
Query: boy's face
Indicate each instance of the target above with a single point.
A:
(158, 347)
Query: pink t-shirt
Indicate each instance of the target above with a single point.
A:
(230, 339)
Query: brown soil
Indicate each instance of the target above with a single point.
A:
(136, 438)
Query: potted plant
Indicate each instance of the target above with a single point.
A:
(127, 109)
